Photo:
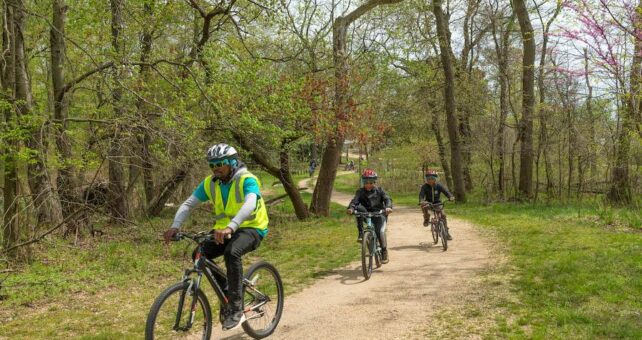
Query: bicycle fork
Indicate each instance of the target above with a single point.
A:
(191, 290)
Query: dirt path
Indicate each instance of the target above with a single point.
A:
(399, 297)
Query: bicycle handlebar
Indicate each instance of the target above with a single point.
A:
(369, 213)
(432, 206)
(199, 237)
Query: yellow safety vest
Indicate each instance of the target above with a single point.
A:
(236, 198)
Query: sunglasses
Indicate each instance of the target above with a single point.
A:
(370, 181)
(218, 164)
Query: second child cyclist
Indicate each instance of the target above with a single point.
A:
(371, 198)
(430, 192)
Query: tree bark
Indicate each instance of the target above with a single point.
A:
(441, 149)
(542, 145)
(44, 199)
(592, 157)
(528, 100)
(145, 138)
(501, 50)
(332, 155)
(449, 99)
(117, 193)
(620, 190)
(168, 188)
(11, 231)
(67, 181)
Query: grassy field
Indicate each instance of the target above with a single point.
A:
(565, 271)
(103, 288)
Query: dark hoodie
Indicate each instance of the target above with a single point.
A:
(374, 200)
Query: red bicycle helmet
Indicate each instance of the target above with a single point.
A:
(369, 174)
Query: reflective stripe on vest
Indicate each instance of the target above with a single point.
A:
(224, 214)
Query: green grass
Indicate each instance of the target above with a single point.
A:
(103, 288)
(565, 276)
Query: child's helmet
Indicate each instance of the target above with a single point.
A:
(369, 174)
(431, 173)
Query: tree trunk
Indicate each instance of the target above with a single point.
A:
(291, 188)
(528, 100)
(441, 149)
(168, 188)
(46, 203)
(501, 50)
(592, 157)
(11, 146)
(67, 181)
(449, 99)
(620, 190)
(145, 138)
(282, 172)
(117, 194)
(322, 194)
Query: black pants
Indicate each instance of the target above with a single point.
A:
(379, 226)
(243, 241)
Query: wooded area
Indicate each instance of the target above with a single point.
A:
(108, 107)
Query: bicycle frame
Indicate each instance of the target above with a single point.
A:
(370, 227)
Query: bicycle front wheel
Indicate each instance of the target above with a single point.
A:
(367, 244)
(262, 300)
(435, 233)
(179, 313)
(444, 238)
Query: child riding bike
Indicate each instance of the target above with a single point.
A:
(430, 192)
(369, 198)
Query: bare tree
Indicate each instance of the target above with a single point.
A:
(528, 100)
(449, 99)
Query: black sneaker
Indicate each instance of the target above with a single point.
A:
(426, 223)
(449, 238)
(233, 320)
(222, 314)
(384, 256)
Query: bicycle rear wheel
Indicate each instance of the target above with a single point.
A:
(262, 299)
(444, 238)
(170, 316)
(367, 245)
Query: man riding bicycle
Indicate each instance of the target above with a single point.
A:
(430, 192)
(241, 221)
(371, 198)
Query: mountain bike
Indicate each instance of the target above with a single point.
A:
(370, 248)
(183, 311)
(437, 223)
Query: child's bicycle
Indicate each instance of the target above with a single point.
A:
(182, 311)
(370, 248)
(437, 223)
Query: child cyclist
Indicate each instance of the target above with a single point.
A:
(370, 198)
(430, 192)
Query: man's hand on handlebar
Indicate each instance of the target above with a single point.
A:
(388, 211)
(349, 211)
(169, 234)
